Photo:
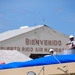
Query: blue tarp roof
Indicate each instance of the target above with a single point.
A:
(49, 60)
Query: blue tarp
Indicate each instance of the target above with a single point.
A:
(40, 61)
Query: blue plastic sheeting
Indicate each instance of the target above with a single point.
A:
(40, 61)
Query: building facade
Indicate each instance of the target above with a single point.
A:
(32, 41)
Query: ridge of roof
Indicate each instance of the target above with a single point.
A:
(12, 33)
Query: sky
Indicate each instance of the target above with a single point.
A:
(57, 14)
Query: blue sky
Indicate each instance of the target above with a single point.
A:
(58, 14)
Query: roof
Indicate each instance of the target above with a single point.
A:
(8, 56)
(49, 60)
(12, 33)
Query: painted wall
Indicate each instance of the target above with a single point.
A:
(48, 70)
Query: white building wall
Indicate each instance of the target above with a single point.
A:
(26, 43)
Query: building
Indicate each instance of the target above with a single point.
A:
(33, 41)
(36, 41)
